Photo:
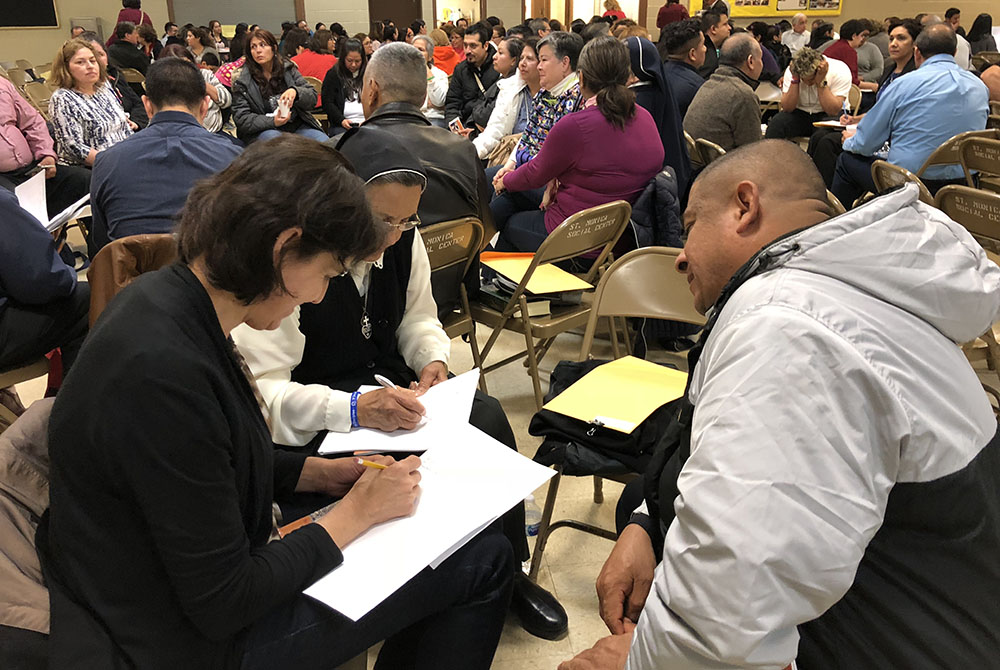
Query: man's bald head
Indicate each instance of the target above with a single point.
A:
(778, 167)
(933, 41)
(742, 51)
(739, 204)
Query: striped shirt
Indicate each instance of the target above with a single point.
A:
(84, 122)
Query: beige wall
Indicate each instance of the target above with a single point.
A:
(857, 9)
(352, 14)
(39, 45)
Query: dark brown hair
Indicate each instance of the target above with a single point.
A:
(604, 69)
(320, 41)
(232, 220)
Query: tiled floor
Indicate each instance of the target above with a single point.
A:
(572, 559)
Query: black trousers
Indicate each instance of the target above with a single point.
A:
(825, 147)
(785, 125)
(69, 184)
(449, 617)
(29, 331)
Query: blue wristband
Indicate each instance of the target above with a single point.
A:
(354, 409)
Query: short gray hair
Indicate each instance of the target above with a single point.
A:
(400, 71)
(736, 49)
(428, 44)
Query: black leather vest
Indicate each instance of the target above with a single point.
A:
(337, 354)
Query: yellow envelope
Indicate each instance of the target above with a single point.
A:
(620, 394)
(546, 279)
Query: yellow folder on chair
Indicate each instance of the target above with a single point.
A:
(621, 394)
(546, 278)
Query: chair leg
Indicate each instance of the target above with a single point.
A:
(598, 490)
(543, 525)
(992, 350)
(477, 359)
(529, 341)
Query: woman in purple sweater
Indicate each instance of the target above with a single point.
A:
(609, 150)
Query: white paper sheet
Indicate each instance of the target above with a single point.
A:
(468, 481)
(31, 197)
(447, 405)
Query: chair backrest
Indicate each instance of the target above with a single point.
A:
(994, 107)
(452, 247)
(24, 64)
(451, 243)
(133, 76)
(948, 152)
(643, 283)
(38, 95)
(993, 122)
(888, 176)
(693, 151)
(854, 98)
(315, 83)
(709, 150)
(120, 262)
(17, 77)
(980, 155)
(836, 207)
(597, 228)
(978, 211)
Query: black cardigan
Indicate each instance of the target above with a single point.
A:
(334, 97)
(163, 473)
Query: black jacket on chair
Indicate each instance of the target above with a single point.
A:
(456, 183)
(464, 91)
(125, 54)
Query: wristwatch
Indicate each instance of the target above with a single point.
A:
(822, 84)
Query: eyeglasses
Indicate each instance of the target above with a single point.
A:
(405, 224)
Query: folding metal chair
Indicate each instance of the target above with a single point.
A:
(982, 155)
(623, 292)
(709, 150)
(454, 245)
(979, 212)
(888, 176)
(594, 229)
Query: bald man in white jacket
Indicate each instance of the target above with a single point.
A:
(837, 502)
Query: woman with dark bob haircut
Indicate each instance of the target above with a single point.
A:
(159, 547)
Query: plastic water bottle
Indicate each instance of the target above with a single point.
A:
(532, 516)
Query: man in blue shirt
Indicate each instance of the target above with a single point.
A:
(42, 306)
(916, 115)
(683, 47)
(140, 185)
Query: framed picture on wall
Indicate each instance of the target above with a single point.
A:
(29, 14)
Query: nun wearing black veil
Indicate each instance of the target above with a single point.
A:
(652, 92)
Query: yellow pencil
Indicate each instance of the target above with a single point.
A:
(371, 464)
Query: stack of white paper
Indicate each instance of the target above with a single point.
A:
(468, 481)
(447, 404)
(31, 197)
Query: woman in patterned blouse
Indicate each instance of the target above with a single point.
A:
(86, 115)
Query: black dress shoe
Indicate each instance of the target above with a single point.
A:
(539, 611)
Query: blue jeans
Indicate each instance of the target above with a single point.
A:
(852, 177)
(305, 131)
(524, 231)
(450, 617)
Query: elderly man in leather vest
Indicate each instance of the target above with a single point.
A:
(395, 87)
(828, 492)
(378, 318)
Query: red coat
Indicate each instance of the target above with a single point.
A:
(136, 16)
(671, 13)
